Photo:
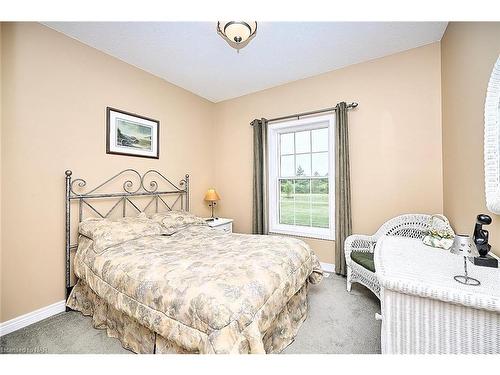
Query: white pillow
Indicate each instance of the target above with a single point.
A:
(106, 233)
(173, 221)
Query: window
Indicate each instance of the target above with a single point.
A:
(301, 177)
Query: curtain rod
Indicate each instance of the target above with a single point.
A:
(299, 115)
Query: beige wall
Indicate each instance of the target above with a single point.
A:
(55, 94)
(55, 91)
(395, 138)
(469, 51)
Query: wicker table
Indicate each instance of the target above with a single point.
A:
(424, 310)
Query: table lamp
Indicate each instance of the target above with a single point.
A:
(463, 245)
(212, 197)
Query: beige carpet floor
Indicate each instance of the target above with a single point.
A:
(338, 322)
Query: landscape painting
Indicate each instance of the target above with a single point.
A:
(131, 134)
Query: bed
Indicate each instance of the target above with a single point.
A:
(162, 281)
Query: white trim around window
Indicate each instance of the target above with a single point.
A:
(274, 153)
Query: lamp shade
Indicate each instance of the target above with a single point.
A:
(212, 195)
(463, 245)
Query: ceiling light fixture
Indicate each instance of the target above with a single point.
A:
(237, 33)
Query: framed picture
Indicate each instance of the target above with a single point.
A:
(132, 135)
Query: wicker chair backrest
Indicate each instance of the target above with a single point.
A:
(411, 226)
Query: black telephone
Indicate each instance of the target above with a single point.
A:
(481, 240)
(481, 235)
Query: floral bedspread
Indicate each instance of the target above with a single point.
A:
(202, 289)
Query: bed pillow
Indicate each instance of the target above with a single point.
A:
(107, 232)
(173, 221)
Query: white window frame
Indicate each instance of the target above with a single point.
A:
(273, 133)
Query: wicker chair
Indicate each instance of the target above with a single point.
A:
(362, 246)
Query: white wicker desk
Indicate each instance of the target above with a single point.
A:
(425, 311)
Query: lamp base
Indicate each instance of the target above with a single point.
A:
(466, 280)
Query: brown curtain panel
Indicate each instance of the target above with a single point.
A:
(260, 206)
(343, 220)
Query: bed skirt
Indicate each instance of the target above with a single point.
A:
(140, 339)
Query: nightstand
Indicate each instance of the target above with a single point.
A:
(224, 225)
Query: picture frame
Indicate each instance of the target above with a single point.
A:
(130, 134)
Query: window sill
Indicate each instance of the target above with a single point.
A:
(325, 237)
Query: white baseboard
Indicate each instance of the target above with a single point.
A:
(32, 317)
(328, 267)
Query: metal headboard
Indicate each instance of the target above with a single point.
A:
(135, 187)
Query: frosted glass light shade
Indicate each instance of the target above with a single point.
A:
(237, 33)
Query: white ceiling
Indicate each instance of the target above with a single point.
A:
(192, 55)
